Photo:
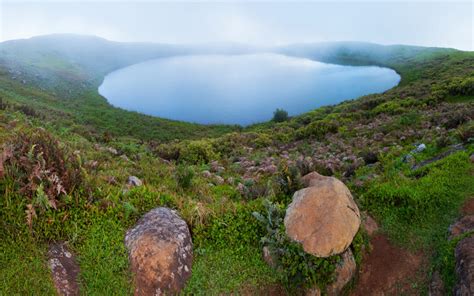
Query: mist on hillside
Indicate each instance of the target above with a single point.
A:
(230, 24)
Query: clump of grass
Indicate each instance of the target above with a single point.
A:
(417, 210)
(184, 176)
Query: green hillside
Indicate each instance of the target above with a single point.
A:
(67, 154)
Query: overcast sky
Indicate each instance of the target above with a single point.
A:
(443, 24)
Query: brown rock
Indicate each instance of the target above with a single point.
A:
(345, 271)
(462, 226)
(312, 178)
(464, 253)
(472, 158)
(64, 269)
(160, 253)
(323, 218)
(369, 224)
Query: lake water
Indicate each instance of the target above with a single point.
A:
(238, 89)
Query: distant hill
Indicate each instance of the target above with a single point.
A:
(89, 58)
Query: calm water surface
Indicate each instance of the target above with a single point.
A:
(238, 89)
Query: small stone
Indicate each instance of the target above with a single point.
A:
(419, 148)
(461, 226)
(64, 269)
(112, 150)
(134, 181)
(370, 225)
(218, 180)
(241, 188)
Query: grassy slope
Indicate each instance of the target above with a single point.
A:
(94, 219)
(58, 76)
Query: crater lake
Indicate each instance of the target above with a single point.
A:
(238, 89)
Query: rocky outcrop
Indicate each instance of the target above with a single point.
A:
(64, 270)
(464, 254)
(160, 253)
(323, 218)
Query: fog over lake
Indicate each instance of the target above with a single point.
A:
(238, 89)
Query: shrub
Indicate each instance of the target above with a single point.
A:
(263, 140)
(196, 152)
(41, 169)
(390, 107)
(466, 132)
(459, 86)
(317, 129)
(288, 180)
(409, 119)
(296, 267)
(280, 115)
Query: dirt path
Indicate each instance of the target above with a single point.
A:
(389, 270)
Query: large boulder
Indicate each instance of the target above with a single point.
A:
(323, 218)
(160, 253)
(464, 253)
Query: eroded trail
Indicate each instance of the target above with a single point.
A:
(389, 270)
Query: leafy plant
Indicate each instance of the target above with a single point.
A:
(296, 267)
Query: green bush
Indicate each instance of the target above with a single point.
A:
(280, 115)
(288, 180)
(296, 267)
(197, 152)
(390, 107)
(317, 129)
